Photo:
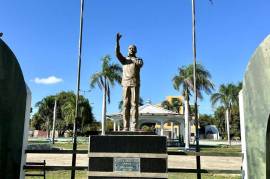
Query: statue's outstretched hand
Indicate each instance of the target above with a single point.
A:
(118, 36)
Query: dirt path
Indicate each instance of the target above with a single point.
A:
(224, 163)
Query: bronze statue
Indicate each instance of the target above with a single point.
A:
(131, 85)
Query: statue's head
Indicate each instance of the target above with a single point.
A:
(132, 50)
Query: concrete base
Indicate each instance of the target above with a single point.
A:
(128, 156)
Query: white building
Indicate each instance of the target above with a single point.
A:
(168, 123)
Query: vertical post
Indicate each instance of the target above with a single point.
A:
(182, 130)
(161, 128)
(118, 126)
(198, 160)
(187, 126)
(178, 130)
(228, 114)
(243, 136)
(48, 128)
(54, 118)
(172, 130)
(114, 126)
(104, 108)
(77, 96)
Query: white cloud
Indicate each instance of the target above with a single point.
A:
(48, 81)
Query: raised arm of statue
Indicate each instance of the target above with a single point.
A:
(118, 54)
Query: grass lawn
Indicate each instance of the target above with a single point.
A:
(218, 148)
(221, 148)
(83, 145)
(204, 176)
(80, 146)
(204, 148)
(83, 175)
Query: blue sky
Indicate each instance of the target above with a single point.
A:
(44, 37)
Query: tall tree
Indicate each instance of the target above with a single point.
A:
(166, 105)
(68, 107)
(45, 111)
(227, 96)
(65, 111)
(42, 119)
(85, 111)
(220, 119)
(38, 123)
(184, 81)
(109, 74)
(173, 105)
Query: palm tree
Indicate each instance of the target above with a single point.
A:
(45, 111)
(185, 80)
(167, 105)
(174, 105)
(109, 74)
(220, 120)
(65, 112)
(85, 112)
(227, 95)
(68, 109)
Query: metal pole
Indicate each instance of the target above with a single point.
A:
(77, 96)
(198, 160)
(54, 118)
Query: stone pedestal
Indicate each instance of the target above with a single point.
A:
(127, 155)
(14, 114)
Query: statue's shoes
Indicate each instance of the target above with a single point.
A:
(132, 129)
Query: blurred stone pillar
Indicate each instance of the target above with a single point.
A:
(161, 128)
(182, 130)
(178, 130)
(118, 126)
(114, 126)
(172, 130)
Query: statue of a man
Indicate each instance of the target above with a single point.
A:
(131, 85)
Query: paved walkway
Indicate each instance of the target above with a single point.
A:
(222, 163)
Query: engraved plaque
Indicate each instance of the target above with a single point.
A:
(126, 164)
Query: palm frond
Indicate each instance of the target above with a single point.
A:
(94, 79)
(215, 98)
(105, 62)
(176, 82)
(102, 81)
(110, 74)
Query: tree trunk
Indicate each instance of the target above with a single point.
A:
(228, 125)
(103, 110)
(187, 131)
(54, 119)
(82, 126)
(48, 127)
(82, 122)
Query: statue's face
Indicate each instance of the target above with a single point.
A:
(132, 50)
